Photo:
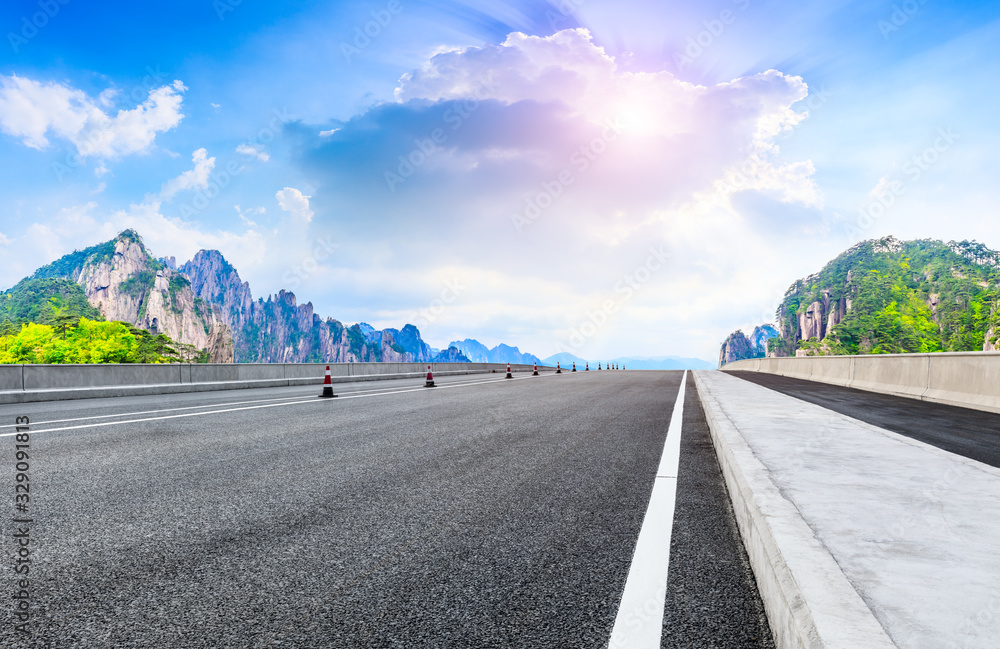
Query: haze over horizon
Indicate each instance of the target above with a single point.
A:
(662, 171)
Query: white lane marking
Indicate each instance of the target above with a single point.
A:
(153, 412)
(208, 405)
(639, 623)
(297, 402)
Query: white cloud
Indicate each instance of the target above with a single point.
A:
(196, 178)
(253, 151)
(107, 97)
(696, 170)
(883, 185)
(328, 133)
(568, 68)
(246, 214)
(34, 111)
(292, 201)
(693, 135)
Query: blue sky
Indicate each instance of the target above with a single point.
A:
(750, 142)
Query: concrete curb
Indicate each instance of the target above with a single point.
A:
(63, 394)
(810, 603)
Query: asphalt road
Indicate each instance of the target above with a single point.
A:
(482, 513)
(708, 603)
(971, 433)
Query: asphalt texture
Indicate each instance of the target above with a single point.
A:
(971, 433)
(482, 513)
(712, 601)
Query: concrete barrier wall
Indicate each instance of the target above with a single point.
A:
(50, 377)
(975, 381)
(10, 377)
(26, 383)
(966, 379)
(903, 375)
(837, 371)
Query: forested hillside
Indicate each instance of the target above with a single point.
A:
(890, 296)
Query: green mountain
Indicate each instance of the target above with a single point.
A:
(201, 311)
(889, 296)
(48, 301)
(92, 341)
(50, 317)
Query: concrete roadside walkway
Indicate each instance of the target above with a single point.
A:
(859, 537)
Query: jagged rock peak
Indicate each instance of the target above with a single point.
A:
(124, 282)
(205, 303)
(736, 347)
(280, 329)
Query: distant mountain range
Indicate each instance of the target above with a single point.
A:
(205, 304)
(480, 353)
(634, 362)
(477, 352)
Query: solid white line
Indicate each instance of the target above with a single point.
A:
(153, 412)
(639, 623)
(297, 402)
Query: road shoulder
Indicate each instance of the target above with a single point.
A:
(808, 599)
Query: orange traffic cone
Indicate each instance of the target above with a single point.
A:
(574, 366)
(587, 368)
(509, 375)
(598, 364)
(327, 385)
(535, 373)
(558, 369)
(430, 378)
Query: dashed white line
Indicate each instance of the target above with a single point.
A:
(639, 623)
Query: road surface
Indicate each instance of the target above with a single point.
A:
(482, 513)
(971, 433)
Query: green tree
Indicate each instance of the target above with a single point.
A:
(90, 341)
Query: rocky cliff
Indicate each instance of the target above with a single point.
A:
(760, 337)
(279, 330)
(204, 305)
(124, 282)
(738, 346)
(891, 296)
